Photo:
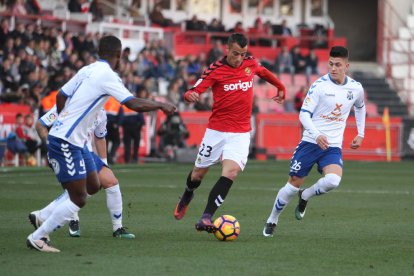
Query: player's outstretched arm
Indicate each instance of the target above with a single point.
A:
(42, 131)
(268, 76)
(60, 101)
(191, 96)
(143, 105)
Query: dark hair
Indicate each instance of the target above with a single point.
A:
(109, 46)
(339, 51)
(237, 38)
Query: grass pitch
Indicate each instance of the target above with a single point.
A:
(365, 227)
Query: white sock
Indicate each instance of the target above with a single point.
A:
(284, 196)
(61, 215)
(114, 204)
(45, 213)
(329, 182)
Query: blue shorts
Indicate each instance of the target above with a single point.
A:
(98, 162)
(307, 154)
(69, 162)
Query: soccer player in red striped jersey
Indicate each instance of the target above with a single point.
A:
(227, 136)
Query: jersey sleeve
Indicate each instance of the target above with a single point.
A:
(100, 130)
(70, 87)
(360, 101)
(113, 86)
(207, 78)
(311, 100)
(49, 118)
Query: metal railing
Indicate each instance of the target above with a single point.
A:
(396, 54)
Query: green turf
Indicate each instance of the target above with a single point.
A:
(366, 227)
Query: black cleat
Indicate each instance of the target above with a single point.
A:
(269, 229)
(301, 208)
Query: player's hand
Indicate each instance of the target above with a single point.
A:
(191, 97)
(280, 97)
(168, 108)
(356, 143)
(322, 142)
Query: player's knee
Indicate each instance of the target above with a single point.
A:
(332, 181)
(108, 183)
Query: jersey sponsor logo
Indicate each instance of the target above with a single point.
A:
(349, 96)
(337, 111)
(238, 86)
(330, 94)
(335, 114)
(55, 165)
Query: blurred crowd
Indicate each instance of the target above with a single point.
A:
(36, 60)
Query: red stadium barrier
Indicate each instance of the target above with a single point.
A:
(277, 136)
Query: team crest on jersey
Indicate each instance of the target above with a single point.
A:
(248, 71)
(350, 96)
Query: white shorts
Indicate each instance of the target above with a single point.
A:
(224, 145)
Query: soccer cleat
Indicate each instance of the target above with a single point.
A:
(74, 229)
(301, 208)
(122, 233)
(269, 229)
(205, 224)
(182, 205)
(35, 220)
(40, 245)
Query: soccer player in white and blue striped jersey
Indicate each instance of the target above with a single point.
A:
(323, 115)
(77, 103)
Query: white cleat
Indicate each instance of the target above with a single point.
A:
(35, 220)
(40, 245)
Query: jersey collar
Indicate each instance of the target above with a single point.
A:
(345, 82)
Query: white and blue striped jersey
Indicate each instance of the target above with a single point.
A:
(98, 127)
(329, 105)
(87, 92)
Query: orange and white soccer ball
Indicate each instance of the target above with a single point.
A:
(227, 228)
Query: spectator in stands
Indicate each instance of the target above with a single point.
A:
(215, 26)
(96, 10)
(195, 64)
(215, 53)
(173, 134)
(27, 133)
(312, 63)
(14, 143)
(4, 30)
(18, 8)
(204, 104)
(33, 7)
(284, 63)
(285, 30)
(157, 17)
(74, 6)
(299, 97)
(298, 60)
(114, 115)
(238, 28)
(195, 25)
(131, 126)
